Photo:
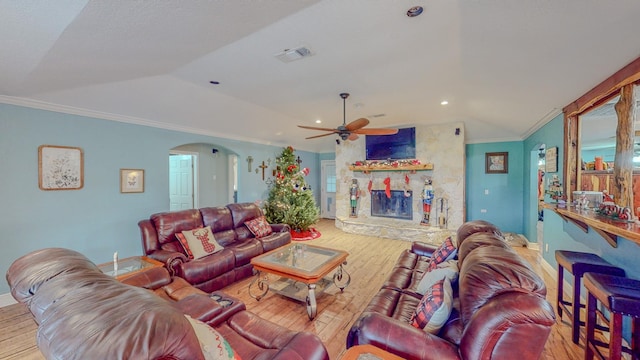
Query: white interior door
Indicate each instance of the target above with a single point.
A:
(181, 175)
(328, 192)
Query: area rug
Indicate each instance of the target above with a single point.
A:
(310, 234)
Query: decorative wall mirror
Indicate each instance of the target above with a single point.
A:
(607, 109)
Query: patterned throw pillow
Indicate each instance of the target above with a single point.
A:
(435, 307)
(213, 345)
(259, 227)
(199, 242)
(448, 269)
(446, 251)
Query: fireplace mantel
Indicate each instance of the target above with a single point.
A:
(412, 167)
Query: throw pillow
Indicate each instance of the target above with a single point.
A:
(199, 242)
(259, 227)
(213, 345)
(435, 307)
(448, 269)
(446, 251)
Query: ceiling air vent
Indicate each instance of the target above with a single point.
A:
(289, 55)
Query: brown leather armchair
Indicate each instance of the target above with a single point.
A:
(218, 270)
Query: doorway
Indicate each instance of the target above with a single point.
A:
(328, 189)
(182, 189)
(538, 163)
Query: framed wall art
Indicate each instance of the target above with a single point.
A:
(551, 160)
(131, 180)
(496, 163)
(60, 167)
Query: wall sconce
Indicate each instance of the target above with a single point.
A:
(249, 161)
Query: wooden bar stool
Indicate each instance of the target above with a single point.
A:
(578, 263)
(621, 297)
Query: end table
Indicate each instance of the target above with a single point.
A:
(130, 266)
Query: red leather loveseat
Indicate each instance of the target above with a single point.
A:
(84, 314)
(499, 306)
(215, 271)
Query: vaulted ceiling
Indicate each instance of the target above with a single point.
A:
(505, 66)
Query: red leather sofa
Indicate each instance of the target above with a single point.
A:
(499, 306)
(84, 314)
(218, 270)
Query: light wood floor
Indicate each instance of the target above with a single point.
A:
(369, 263)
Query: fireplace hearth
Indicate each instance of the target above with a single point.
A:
(398, 206)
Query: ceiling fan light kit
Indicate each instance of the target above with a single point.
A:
(351, 130)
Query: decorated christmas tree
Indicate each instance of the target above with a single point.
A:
(290, 199)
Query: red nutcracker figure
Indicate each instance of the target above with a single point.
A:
(354, 194)
(427, 199)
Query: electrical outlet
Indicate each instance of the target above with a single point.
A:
(483, 210)
(486, 191)
(546, 248)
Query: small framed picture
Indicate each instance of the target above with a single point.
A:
(131, 180)
(60, 167)
(497, 163)
(551, 160)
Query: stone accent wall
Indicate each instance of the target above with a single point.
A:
(437, 144)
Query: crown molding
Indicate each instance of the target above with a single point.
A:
(71, 110)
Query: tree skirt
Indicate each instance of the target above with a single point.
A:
(305, 234)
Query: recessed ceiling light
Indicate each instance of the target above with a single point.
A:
(214, 82)
(444, 102)
(414, 11)
(318, 121)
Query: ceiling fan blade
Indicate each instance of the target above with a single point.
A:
(317, 136)
(376, 131)
(316, 128)
(357, 124)
(352, 136)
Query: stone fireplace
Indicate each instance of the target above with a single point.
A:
(437, 144)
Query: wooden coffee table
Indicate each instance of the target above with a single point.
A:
(302, 269)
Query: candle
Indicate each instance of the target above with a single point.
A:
(115, 263)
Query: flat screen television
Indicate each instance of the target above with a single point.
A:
(395, 147)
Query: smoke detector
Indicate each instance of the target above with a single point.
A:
(289, 55)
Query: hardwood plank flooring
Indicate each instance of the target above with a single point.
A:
(369, 264)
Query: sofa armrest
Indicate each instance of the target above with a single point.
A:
(280, 227)
(399, 338)
(422, 248)
(200, 307)
(303, 346)
(170, 259)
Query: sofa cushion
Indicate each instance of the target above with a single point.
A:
(448, 269)
(199, 242)
(213, 345)
(259, 227)
(434, 308)
(475, 226)
(446, 251)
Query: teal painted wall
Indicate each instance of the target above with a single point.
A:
(98, 220)
(503, 204)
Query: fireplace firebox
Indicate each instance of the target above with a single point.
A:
(398, 206)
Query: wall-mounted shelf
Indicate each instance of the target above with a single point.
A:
(369, 168)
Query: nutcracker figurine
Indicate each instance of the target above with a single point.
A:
(354, 194)
(427, 199)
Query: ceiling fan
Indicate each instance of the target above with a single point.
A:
(351, 130)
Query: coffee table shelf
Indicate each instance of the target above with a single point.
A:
(302, 271)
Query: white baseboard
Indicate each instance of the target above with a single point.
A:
(6, 300)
